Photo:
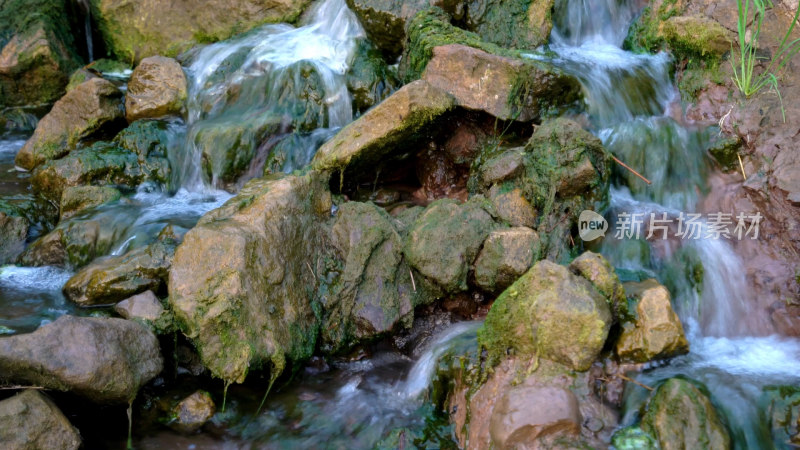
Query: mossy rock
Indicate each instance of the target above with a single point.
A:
(519, 24)
(369, 79)
(38, 51)
(680, 415)
(75, 199)
(133, 31)
(725, 150)
(547, 313)
(444, 241)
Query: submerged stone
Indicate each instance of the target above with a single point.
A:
(89, 108)
(105, 360)
(681, 416)
(30, 420)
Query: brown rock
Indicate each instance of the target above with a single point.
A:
(30, 420)
(141, 306)
(513, 207)
(506, 255)
(657, 332)
(83, 111)
(157, 88)
(485, 82)
(598, 270)
(386, 129)
(106, 360)
(525, 414)
(193, 412)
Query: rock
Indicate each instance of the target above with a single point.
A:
(374, 291)
(548, 313)
(502, 167)
(240, 285)
(520, 404)
(524, 414)
(385, 21)
(657, 331)
(13, 233)
(369, 78)
(73, 243)
(91, 107)
(697, 35)
(512, 206)
(75, 199)
(681, 416)
(30, 420)
(79, 77)
(445, 239)
(157, 88)
(229, 145)
(521, 24)
(193, 412)
(683, 28)
(141, 306)
(519, 90)
(37, 52)
(725, 151)
(101, 164)
(133, 31)
(105, 360)
(109, 280)
(506, 255)
(387, 130)
(599, 272)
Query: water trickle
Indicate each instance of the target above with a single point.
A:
(86, 8)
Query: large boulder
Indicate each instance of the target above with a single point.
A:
(157, 88)
(444, 241)
(241, 284)
(112, 279)
(519, 90)
(524, 414)
(656, 331)
(680, 415)
(105, 360)
(30, 420)
(88, 109)
(506, 255)
(37, 53)
(549, 313)
(136, 30)
(374, 291)
(387, 130)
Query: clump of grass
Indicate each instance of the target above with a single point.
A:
(745, 77)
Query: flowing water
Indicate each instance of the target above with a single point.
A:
(247, 87)
(631, 102)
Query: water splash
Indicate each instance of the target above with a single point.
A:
(245, 81)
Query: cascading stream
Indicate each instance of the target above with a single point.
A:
(630, 101)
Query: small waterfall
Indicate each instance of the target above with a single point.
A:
(246, 82)
(629, 98)
(419, 378)
(86, 8)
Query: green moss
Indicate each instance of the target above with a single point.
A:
(507, 23)
(431, 28)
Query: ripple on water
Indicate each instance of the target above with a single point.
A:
(31, 297)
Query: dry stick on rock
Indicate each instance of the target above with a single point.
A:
(635, 382)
